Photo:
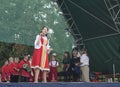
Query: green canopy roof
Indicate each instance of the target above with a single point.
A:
(97, 22)
(91, 17)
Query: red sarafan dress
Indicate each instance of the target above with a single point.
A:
(40, 54)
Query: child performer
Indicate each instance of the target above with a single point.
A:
(25, 69)
(16, 70)
(53, 77)
(5, 72)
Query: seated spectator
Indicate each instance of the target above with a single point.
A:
(66, 66)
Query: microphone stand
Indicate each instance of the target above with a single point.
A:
(113, 66)
(113, 72)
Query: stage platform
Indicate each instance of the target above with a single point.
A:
(60, 84)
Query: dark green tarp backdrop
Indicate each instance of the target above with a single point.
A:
(103, 52)
(98, 30)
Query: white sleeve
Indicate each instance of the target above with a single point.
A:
(35, 43)
(84, 60)
(81, 59)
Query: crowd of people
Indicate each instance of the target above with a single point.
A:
(73, 69)
(14, 70)
(76, 68)
(39, 67)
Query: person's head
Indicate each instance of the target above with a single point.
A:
(25, 57)
(16, 60)
(6, 62)
(11, 60)
(75, 53)
(44, 30)
(83, 51)
(54, 56)
(66, 54)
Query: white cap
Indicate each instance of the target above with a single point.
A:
(54, 54)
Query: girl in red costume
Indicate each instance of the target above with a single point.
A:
(40, 55)
(25, 69)
(16, 70)
(53, 77)
(10, 68)
(5, 72)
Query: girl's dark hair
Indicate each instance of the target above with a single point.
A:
(43, 28)
(66, 52)
(74, 49)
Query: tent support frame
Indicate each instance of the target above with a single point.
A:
(78, 40)
(101, 37)
(113, 7)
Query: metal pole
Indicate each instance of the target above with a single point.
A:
(113, 72)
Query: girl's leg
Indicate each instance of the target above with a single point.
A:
(44, 76)
(37, 71)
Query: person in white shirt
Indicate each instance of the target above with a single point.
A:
(84, 60)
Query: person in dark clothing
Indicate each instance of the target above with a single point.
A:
(66, 67)
(75, 64)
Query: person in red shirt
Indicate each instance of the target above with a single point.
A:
(53, 77)
(10, 68)
(25, 69)
(15, 70)
(5, 72)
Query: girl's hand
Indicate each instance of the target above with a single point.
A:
(49, 50)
